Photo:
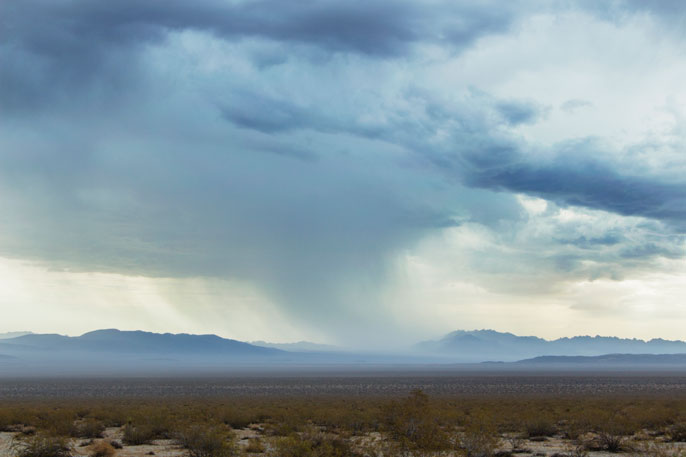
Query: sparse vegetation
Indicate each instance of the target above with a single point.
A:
(479, 439)
(313, 445)
(414, 425)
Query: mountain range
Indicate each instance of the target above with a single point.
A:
(136, 342)
(483, 345)
(112, 351)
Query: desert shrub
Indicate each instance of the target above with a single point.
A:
(613, 430)
(89, 428)
(313, 445)
(57, 422)
(412, 423)
(160, 425)
(238, 419)
(293, 446)
(479, 438)
(42, 446)
(610, 441)
(255, 446)
(541, 426)
(101, 449)
(651, 417)
(677, 432)
(143, 430)
(283, 428)
(137, 435)
(207, 442)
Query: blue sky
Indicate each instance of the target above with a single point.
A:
(360, 172)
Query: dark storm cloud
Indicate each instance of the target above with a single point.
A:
(375, 28)
(52, 46)
(577, 176)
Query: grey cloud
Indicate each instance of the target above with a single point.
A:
(519, 112)
(650, 249)
(63, 45)
(608, 239)
(574, 177)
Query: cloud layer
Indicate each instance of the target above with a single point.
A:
(313, 149)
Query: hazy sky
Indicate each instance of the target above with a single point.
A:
(349, 172)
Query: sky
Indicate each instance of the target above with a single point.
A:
(362, 173)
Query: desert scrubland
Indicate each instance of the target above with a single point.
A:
(332, 416)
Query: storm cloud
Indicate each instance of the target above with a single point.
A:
(311, 148)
